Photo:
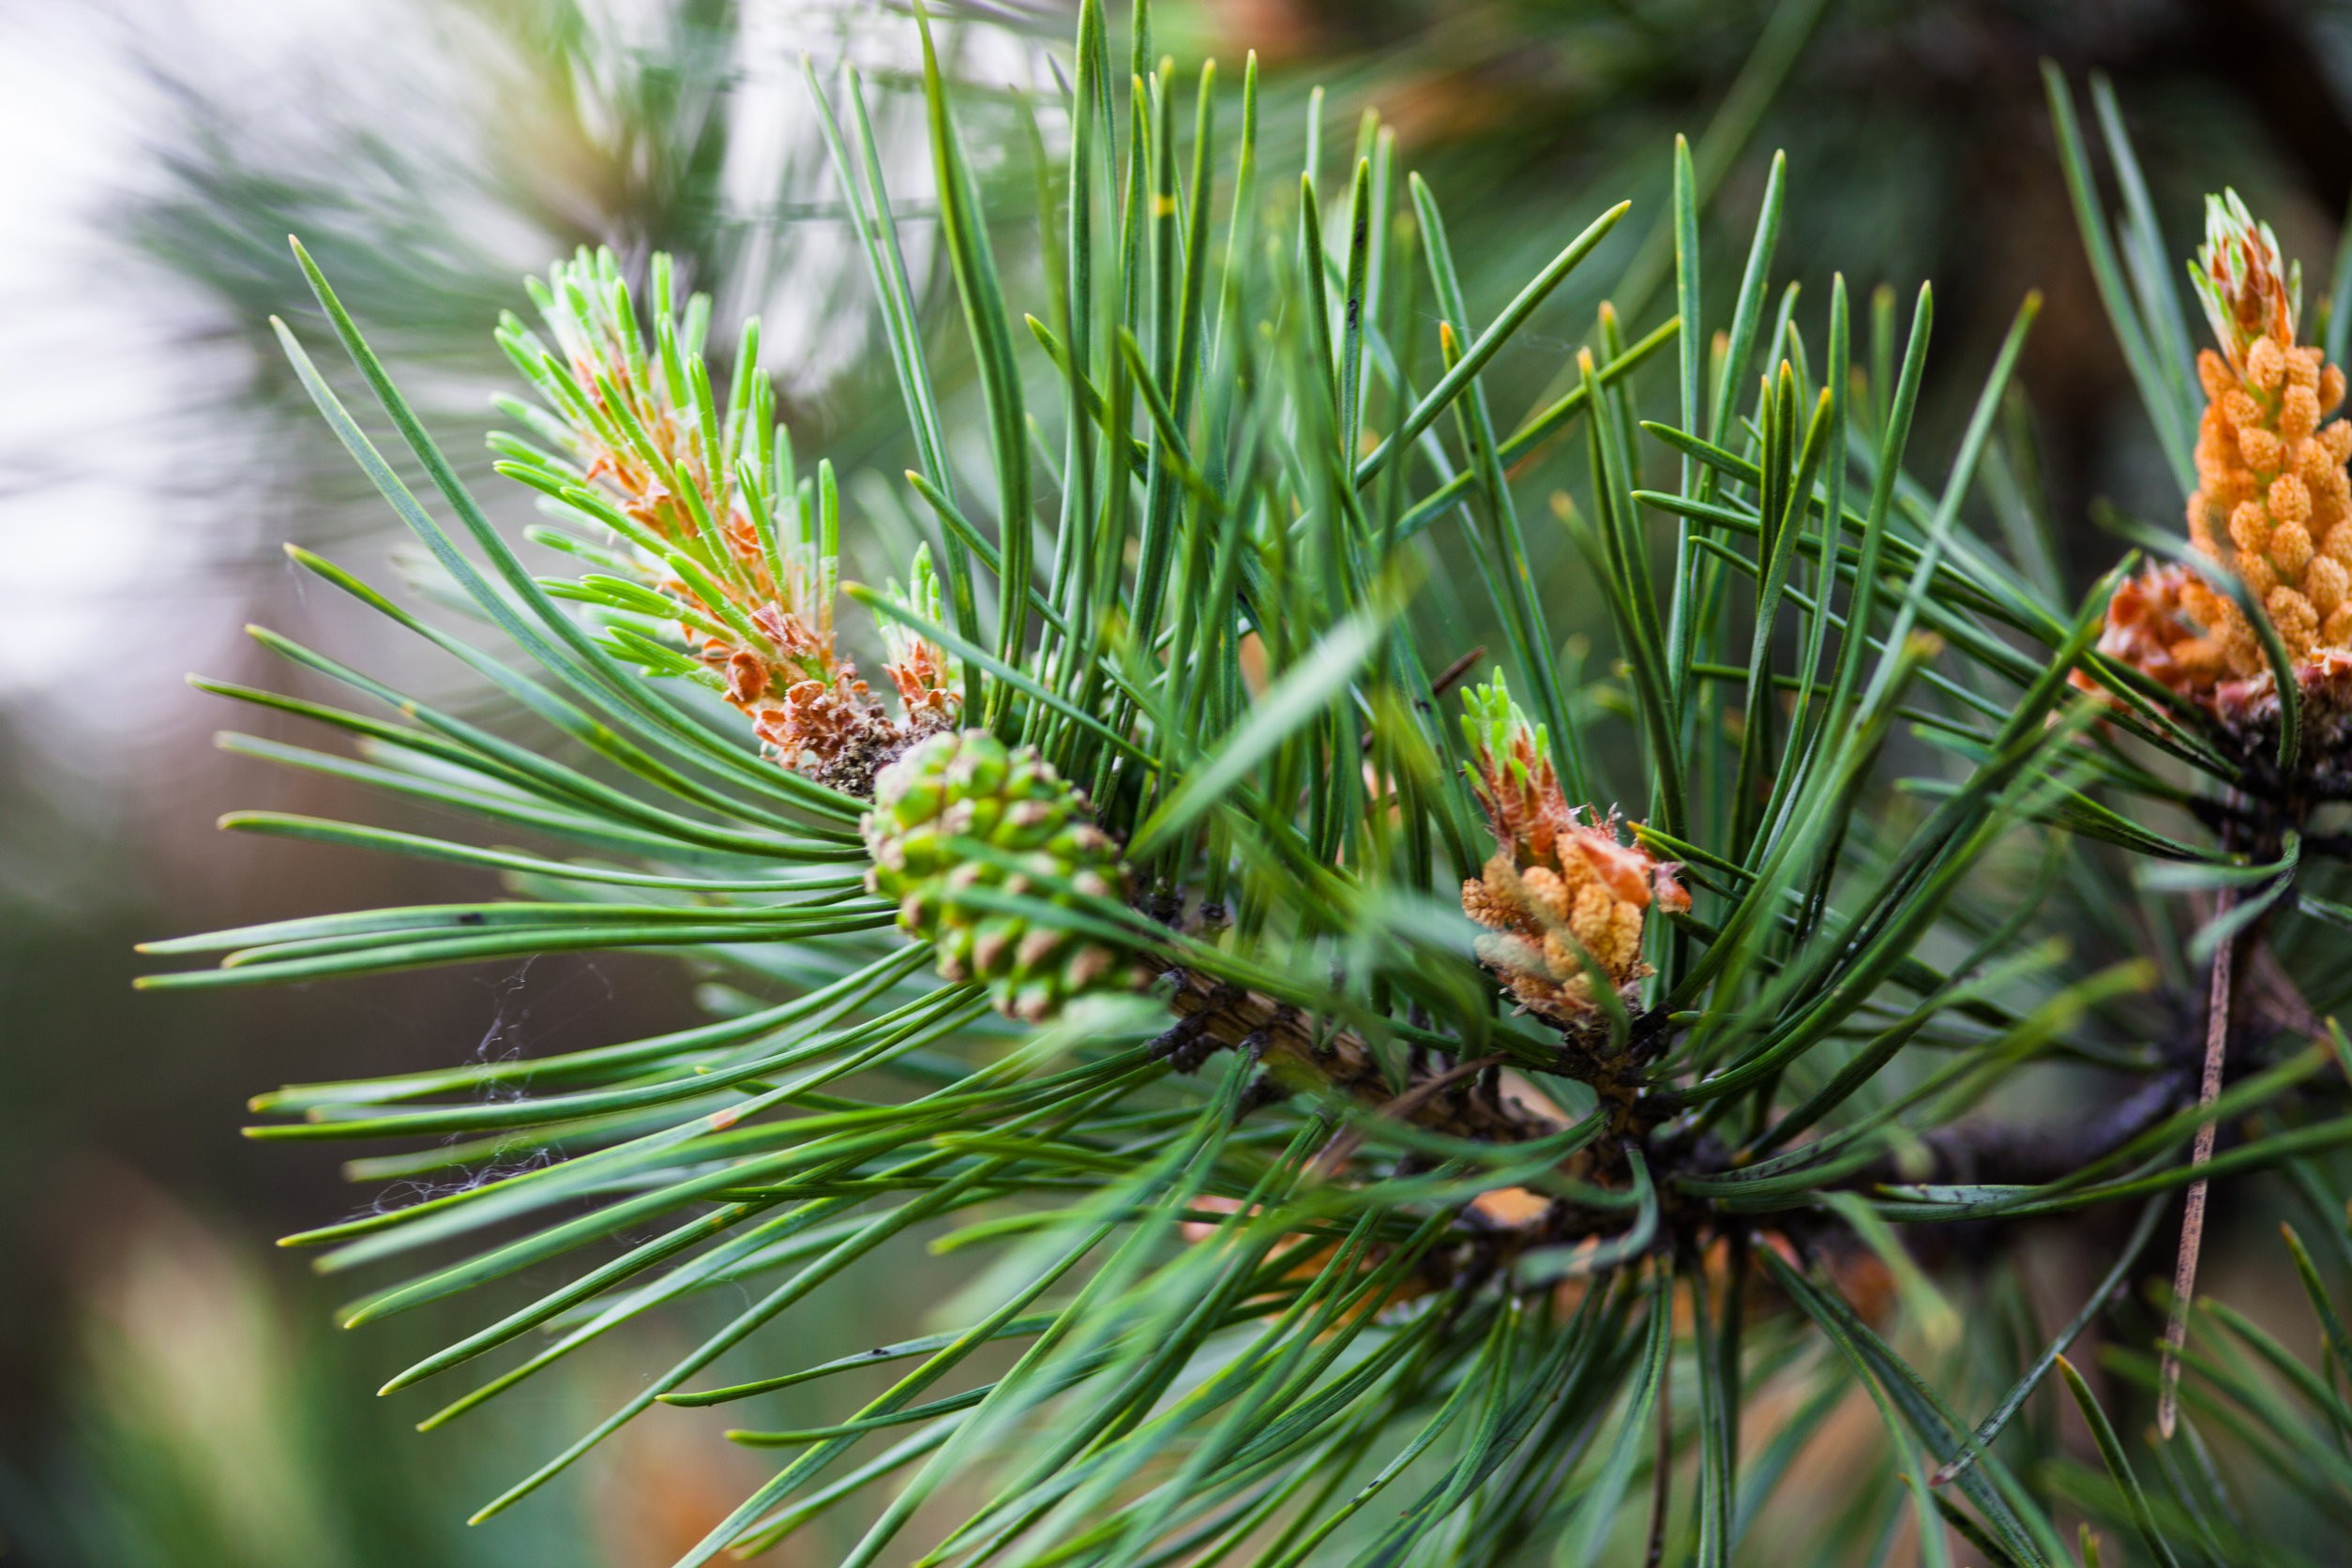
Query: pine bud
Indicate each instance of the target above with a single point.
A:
(2248, 290)
(961, 817)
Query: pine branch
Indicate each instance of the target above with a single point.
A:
(1335, 1214)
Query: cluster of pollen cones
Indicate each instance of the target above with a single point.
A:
(745, 559)
(1563, 901)
(2273, 501)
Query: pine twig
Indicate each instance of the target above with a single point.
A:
(2184, 1278)
(1215, 1016)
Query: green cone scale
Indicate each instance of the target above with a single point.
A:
(961, 816)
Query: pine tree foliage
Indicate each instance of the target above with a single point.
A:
(1381, 1149)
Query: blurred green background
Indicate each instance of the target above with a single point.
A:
(172, 1390)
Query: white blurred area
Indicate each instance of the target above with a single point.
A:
(125, 468)
(94, 575)
(149, 469)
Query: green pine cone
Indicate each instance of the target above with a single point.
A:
(959, 813)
